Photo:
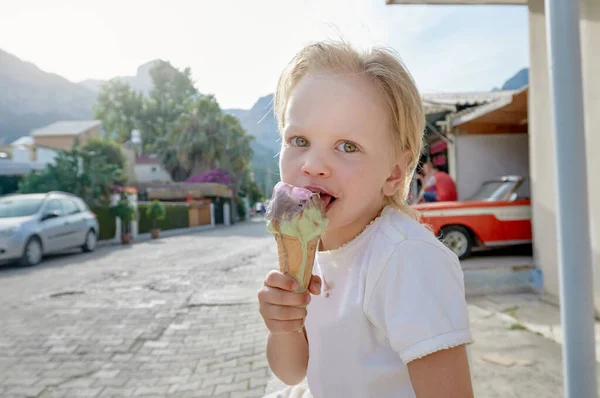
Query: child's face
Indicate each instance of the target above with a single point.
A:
(336, 138)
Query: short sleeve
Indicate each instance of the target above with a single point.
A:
(418, 300)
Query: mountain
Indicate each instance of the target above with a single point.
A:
(31, 98)
(519, 80)
(141, 81)
(259, 121)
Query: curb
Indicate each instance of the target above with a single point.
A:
(506, 280)
(163, 234)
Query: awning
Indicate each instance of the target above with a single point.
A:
(505, 115)
(488, 2)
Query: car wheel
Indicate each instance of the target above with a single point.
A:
(459, 240)
(33, 253)
(90, 241)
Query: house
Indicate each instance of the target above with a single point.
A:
(25, 141)
(6, 150)
(541, 142)
(148, 168)
(578, 50)
(484, 142)
(62, 134)
(438, 107)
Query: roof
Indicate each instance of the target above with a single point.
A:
(466, 98)
(432, 108)
(511, 110)
(500, 2)
(23, 141)
(66, 128)
(148, 159)
(472, 113)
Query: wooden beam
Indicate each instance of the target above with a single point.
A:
(473, 128)
(459, 2)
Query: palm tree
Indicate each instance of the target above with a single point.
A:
(238, 151)
(198, 135)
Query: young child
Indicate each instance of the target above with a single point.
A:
(386, 314)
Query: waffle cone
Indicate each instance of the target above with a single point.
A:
(291, 258)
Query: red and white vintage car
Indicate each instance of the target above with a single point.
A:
(495, 216)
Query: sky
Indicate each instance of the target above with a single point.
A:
(237, 48)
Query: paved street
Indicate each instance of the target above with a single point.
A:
(175, 317)
(178, 317)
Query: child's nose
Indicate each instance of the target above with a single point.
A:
(314, 166)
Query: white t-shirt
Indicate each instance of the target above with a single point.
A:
(430, 182)
(392, 295)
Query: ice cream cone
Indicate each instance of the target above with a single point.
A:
(296, 258)
(296, 218)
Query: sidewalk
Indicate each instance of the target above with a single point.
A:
(517, 351)
(163, 234)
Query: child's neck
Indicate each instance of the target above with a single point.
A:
(334, 239)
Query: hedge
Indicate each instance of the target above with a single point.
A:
(177, 216)
(106, 221)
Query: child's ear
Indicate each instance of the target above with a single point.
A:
(394, 181)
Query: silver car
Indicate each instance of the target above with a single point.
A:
(32, 225)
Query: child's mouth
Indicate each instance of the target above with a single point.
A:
(328, 199)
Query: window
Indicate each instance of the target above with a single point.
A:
(83, 207)
(19, 206)
(69, 207)
(493, 190)
(54, 206)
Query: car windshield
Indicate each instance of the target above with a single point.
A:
(493, 190)
(19, 207)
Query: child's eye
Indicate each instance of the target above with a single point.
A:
(299, 142)
(348, 147)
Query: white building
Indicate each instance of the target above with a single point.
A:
(148, 168)
(541, 146)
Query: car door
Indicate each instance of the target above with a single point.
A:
(75, 223)
(53, 228)
(517, 222)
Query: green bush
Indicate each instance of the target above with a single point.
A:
(241, 209)
(176, 217)
(156, 212)
(106, 221)
(126, 212)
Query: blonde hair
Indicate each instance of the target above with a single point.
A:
(393, 81)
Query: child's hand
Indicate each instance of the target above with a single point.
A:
(280, 304)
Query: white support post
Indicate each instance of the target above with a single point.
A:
(134, 224)
(226, 214)
(114, 200)
(573, 240)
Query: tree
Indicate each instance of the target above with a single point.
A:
(198, 135)
(80, 171)
(237, 153)
(251, 190)
(120, 108)
(171, 92)
(111, 151)
(188, 130)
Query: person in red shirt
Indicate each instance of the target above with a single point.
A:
(445, 188)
